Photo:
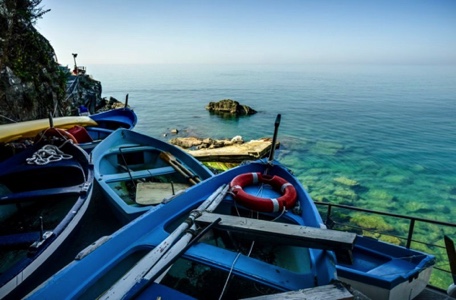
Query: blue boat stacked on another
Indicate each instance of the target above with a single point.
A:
(44, 192)
(86, 131)
(88, 137)
(386, 271)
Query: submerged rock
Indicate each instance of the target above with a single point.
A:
(379, 196)
(346, 181)
(414, 206)
(326, 148)
(398, 179)
(347, 194)
(371, 222)
(231, 107)
(384, 237)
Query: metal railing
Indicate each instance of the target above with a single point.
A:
(342, 221)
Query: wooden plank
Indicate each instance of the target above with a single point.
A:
(150, 193)
(336, 291)
(253, 149)
(284, 233)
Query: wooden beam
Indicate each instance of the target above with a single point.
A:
(335, 291)
(283, 233)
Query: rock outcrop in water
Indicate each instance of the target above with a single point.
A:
(230, 107)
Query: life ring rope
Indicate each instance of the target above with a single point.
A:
(286, 201)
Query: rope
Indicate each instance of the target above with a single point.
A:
(229, 275)
(42, 136)
(47, 154)
(5, 117)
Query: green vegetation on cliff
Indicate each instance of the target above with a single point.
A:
(31, 82)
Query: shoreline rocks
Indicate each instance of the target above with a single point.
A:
(195, 143)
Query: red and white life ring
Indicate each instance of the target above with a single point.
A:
(287, 200)
(56, 132)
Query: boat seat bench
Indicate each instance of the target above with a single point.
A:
(24, 239)
(138, 174)
(395, 266)
(98, 129)
(290, 234)
(132, 148)
(42, 195)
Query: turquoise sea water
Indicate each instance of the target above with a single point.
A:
(389, 129)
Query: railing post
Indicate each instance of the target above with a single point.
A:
(328, 214)
(410, 233)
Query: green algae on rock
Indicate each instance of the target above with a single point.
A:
(346, 181)
(371, 222)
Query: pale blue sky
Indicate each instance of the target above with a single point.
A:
(251, 31)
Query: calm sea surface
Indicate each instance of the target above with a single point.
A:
(389, 129)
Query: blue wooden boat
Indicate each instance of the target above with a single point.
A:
(386, 271)
(208, 242)
(107, 122)
(137, 172)
(44, 192)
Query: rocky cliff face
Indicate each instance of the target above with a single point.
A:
(82, 89)
(32, 83)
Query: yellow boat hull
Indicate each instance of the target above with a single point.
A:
(28, 129)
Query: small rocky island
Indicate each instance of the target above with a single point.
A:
(230, 107)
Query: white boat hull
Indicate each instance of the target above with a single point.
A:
(403, 291)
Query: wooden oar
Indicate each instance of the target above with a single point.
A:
(169, 258)
(169, 158)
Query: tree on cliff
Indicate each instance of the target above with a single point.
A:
(31, 81)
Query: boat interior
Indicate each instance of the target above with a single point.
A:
(133, 170)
